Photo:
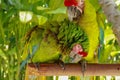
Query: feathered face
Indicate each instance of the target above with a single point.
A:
(74, 9)
(77, 53)
(77, 48)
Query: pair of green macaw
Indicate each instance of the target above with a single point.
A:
(46, 44)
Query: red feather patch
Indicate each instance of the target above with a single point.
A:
(70, 3)
(83, 54)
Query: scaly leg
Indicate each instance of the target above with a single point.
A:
(83, 66)
(60, 62)
(37, 65)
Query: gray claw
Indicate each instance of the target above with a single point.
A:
(37, 65)
(60, 62)
(62, 65)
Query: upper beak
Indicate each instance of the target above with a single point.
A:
(70, 13)
(73, 13)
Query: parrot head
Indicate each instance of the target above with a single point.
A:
(74, 9)
(77, 53)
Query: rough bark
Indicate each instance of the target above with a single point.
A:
(73, 69)
(113, 15)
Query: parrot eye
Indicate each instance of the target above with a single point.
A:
(79, 46)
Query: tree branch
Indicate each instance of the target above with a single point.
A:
(73, 69)
(113, 15)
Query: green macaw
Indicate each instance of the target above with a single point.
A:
(45, 44)
(83, 13)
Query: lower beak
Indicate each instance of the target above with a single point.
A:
(75, 59)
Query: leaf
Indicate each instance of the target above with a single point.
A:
(11, 2)
(8, 15)
(41, 20)
(38, 7)
(114, 53)
(12, 51)
(106, 53)
(58, 17)
(61, 10)
(101, 19)
(3, 5)
(53, 4)
(25, 16)
(2, 35)
(101, 43)
(2, 55)
(109, 35)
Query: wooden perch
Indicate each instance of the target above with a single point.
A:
(73, 69)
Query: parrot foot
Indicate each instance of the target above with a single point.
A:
(83, 66)
(62, 65)
(37, 65)
(60, 62)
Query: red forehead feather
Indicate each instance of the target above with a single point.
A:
(70, 3)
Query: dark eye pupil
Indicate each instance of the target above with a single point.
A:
(78, 46)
